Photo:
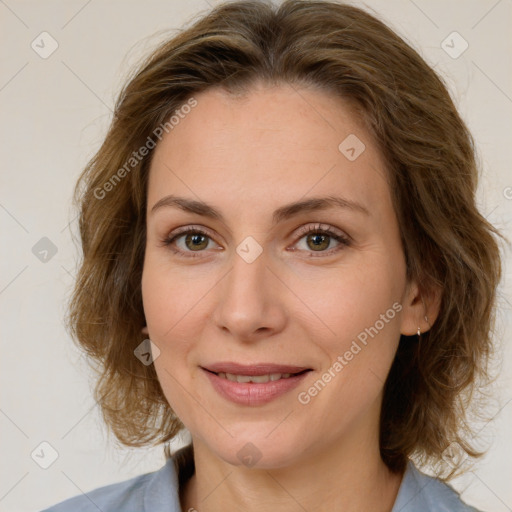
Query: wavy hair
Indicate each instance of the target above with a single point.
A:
(431, 164)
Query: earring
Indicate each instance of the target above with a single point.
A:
(419, 330)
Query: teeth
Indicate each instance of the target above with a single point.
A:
(259, 379)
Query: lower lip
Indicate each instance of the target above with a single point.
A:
(252, 393)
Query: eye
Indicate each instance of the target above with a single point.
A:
(188, 240)
(318, 239)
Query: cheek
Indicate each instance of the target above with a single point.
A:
(349, 299)
(170, 295)
(371, 338)
(168, 307)
(363, 314)
(360, 305)
(175, 307)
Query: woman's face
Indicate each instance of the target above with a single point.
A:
(258, 281)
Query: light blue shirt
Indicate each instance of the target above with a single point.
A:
(158, 492)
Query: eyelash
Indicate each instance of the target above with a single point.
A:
(344, 240)
(325, 229)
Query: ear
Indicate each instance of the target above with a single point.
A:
(144, 330)
(420, 308)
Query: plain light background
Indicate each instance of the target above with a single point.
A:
(54, 114)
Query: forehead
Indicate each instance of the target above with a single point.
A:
(272, 144)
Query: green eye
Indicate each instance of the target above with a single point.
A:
(319, 241)
(196, 241)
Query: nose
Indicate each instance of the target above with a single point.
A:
(250, 300)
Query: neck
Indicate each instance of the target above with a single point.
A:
(349, 476)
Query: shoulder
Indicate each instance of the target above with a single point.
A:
(422, 493)
(155, 492)
(125, 495)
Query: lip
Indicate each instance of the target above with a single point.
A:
(252, 393)
(253, 369)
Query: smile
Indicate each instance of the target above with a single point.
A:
(253, 390)
(254, 378)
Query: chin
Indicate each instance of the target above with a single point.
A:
(260, 451)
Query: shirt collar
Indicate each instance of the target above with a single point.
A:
(411, 495)
(162, 492)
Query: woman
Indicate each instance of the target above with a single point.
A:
(282, 253)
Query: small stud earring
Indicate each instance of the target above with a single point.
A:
(419, 329)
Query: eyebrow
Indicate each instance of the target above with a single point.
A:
(282, 213)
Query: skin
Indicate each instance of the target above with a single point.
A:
(248, 156)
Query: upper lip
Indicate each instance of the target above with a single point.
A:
(253, 369)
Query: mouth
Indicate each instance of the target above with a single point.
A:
(232, 371)
(254, 384)
(257, 379)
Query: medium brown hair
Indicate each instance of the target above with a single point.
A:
(430, 159)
